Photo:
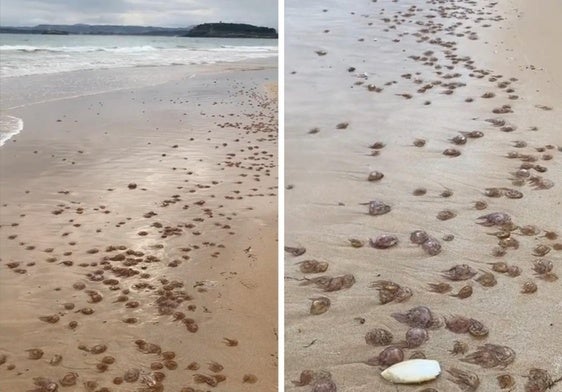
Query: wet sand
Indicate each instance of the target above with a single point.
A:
(138, 237)
(385, 87)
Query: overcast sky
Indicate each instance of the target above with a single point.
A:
(168, 13)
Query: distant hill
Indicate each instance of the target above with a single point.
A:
(219, 30)
(97, 30)
(231, 30)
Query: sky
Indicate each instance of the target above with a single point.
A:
(166, 13)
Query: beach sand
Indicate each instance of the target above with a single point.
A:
(372, 80)
(138, 231)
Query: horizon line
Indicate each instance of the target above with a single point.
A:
(126, 25)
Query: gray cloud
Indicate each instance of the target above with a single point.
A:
(172, 13)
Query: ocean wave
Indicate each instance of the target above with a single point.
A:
(77, 49)
(128, 49)
(9, 127)
(22, 60)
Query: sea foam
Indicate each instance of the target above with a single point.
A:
(24, 55)
(76, 49)
(9, 127)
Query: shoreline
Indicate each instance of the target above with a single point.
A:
(144, 214)
(383, 89)
(56, 79)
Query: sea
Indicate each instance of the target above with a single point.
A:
(35, 67)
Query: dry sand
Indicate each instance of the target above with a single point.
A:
(155, 208)
(396, 72)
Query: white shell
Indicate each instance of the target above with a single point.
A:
(413, 371)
